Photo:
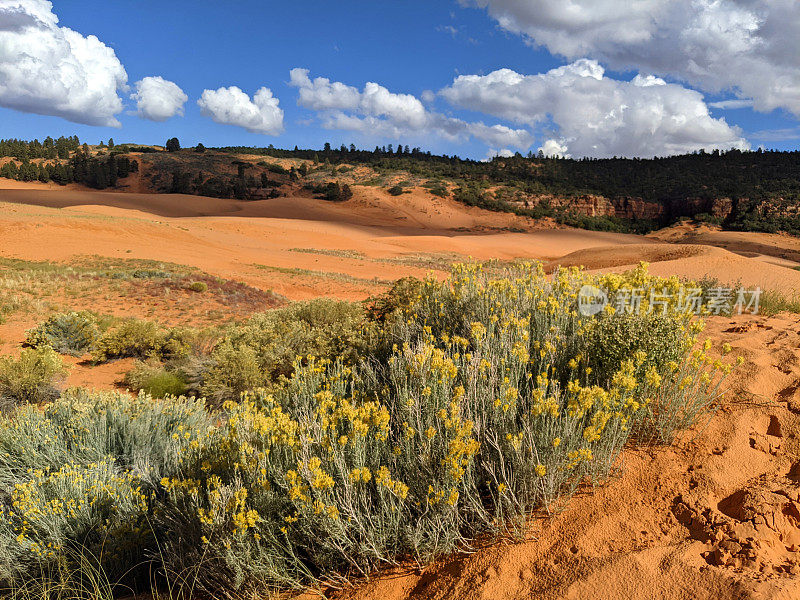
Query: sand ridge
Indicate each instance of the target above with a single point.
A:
(691, 261)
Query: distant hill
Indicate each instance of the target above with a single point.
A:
(750, 191)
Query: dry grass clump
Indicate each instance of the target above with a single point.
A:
(447, 418)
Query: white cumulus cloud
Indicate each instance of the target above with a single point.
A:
(502, 153)
(51, 70)
(231, 106)
(750, 47)
(554, 148)
(158, 99)
(379, 112)
(593, 115)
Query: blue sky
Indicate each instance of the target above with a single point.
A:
(407, 47)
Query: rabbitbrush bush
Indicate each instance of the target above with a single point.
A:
(79, 479)
(486, 407)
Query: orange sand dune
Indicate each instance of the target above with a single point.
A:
(370, 206)
(784, 249)
(717, 515)
(691, 262)
(351, 239)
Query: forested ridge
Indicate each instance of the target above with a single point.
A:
(749, 190)
(717, 174)
(760, 189)
(71, 162)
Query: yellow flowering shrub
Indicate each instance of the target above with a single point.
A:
(488, 396)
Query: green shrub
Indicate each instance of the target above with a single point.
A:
(154, 379)
(403, 294)
(198, 286)
(615, 338)
(267, 346)
(67, 333)
(276, 168)
(396, 190)
(31, 378)
(234, 368)
(333, 191)
(437, 188)
(142, 339)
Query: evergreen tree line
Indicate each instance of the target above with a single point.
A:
(95, 172)
(49, 148)
(733, 174)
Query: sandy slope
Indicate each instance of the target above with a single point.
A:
(692, 262)
(229, 238)
(370, 207)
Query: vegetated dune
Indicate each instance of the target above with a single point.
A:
(716, 515)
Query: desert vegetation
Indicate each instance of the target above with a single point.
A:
(316, 443)
(89, 288)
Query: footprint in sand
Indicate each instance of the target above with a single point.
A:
(770, 441)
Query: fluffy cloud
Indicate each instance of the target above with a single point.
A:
(554, 148)
(748, 46)
(158, 99)
(231, 106)
(594, 115)
(377, 111)
(52, 70)
(492, 153)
